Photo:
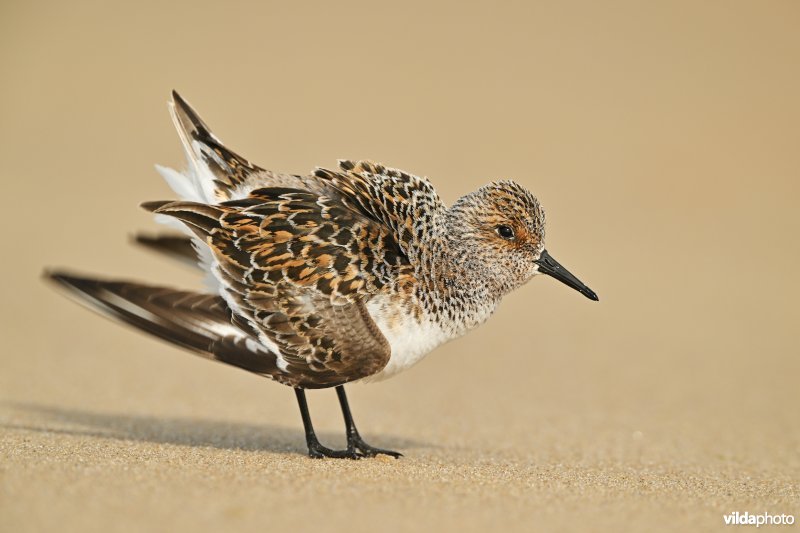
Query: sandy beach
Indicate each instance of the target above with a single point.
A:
(661, 140)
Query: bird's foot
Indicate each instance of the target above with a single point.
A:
(318, 451)
(357, 443)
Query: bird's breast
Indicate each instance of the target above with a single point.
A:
(411, 338)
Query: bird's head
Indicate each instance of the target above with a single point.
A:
(500, 229)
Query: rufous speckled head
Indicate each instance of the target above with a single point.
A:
(500, 230)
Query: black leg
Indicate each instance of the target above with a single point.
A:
(354, 441)
(315, 449)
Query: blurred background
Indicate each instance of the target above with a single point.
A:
(662, 139)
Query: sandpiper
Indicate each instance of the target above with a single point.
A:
(342, 275)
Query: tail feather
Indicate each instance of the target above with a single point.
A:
(198, 322)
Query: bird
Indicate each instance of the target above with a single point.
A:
(342, 275)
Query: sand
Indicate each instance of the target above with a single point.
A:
(661, 139)
(189, 445)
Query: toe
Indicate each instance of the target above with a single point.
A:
(370, 451)
(321, 452)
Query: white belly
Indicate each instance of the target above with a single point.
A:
(410, 340)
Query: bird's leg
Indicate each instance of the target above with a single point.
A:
(315, 449)
(354, 441)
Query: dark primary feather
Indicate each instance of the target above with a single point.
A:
(198, 322)
(204, 324)
(175, 246)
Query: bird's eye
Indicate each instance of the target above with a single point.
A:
(505, 232)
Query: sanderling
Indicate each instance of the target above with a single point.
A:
(342, 275)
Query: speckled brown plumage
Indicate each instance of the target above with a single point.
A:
(298, 267)
(316, 280)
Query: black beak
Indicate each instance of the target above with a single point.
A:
(549, 266)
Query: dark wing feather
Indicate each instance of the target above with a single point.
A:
(175, 246)
(198, 322)
(300, 267)
(204, 148)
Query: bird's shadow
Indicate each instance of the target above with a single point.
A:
(182, 431)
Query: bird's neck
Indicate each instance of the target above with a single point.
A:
(454, 285)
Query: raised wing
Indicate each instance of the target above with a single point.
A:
(214, 170)
(216, 173)
(299, 268)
